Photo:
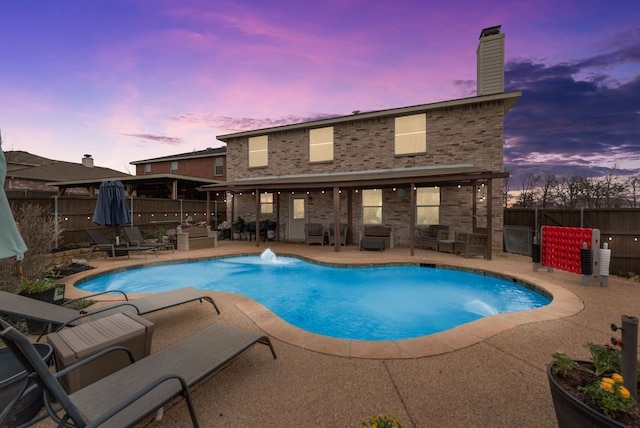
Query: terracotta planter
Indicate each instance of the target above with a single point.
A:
(571, 412)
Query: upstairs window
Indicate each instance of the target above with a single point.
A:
(174, 167)
(428, 205)
(266, 203)
(372, 206)
(411, 134)
(147, 168)
(321, 144)
(219, 166)
(258, 151)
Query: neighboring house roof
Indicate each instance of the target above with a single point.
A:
(59, 170)
(509, 99)
(19, 159)
(208, 152)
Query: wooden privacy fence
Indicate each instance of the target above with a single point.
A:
(619, 228)
(75, 214)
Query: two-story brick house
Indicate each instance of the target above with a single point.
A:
(438, 163)
(208, 163)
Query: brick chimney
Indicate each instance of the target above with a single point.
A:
(490, 56)
(87, 161)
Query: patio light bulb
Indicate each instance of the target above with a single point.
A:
(88, 217)
(611, 238)
(66, 218)
(458, 186)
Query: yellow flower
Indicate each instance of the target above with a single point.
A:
(607, 386)
(617, 378)
(608, 380)
(624, 392)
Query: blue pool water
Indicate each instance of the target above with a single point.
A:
(365, 303)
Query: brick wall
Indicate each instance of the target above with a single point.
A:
(203, 167)
(469, 134)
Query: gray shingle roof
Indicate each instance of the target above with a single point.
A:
(208, 152)
(27, 166)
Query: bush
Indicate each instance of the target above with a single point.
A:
(37, 227)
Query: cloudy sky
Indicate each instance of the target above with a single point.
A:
(126, 80)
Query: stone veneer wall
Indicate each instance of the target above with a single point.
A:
(468, 134)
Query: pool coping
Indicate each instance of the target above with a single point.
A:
(563, 304)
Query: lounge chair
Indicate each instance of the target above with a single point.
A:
(471, 244)
(314, 233)
(428, 238)
(135, 238)
(102, 243)
(58, 317)
(127, 396)
(344, 228)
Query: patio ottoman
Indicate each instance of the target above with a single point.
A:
(372, 244)
(77, 343)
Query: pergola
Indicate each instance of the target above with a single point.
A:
(448, 175)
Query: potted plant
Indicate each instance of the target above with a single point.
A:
(45, 289)
(592, 393)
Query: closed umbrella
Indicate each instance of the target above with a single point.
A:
(111, 207)
(11, 242)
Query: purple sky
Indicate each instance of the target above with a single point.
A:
(132, 80)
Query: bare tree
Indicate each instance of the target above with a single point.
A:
(506, 197)
(570, 190)
(632, 184)
(528, 194)
(548, 192)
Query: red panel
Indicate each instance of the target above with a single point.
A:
(560, 247)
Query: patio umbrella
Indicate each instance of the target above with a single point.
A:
(111, 207)
(11, 242)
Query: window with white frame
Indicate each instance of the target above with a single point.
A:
(174, 167)
(372, 206)
(258, 151)
(428, 205)
(321, 144)
(266, 203)
(411, 134)
(147, 168)
(219, 166)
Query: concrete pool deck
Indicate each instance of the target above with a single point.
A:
(487, 373)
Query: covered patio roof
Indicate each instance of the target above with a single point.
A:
(463, 174)
(148, 184)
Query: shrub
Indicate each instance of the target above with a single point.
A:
(37, 227)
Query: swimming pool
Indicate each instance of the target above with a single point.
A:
(376, 303)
